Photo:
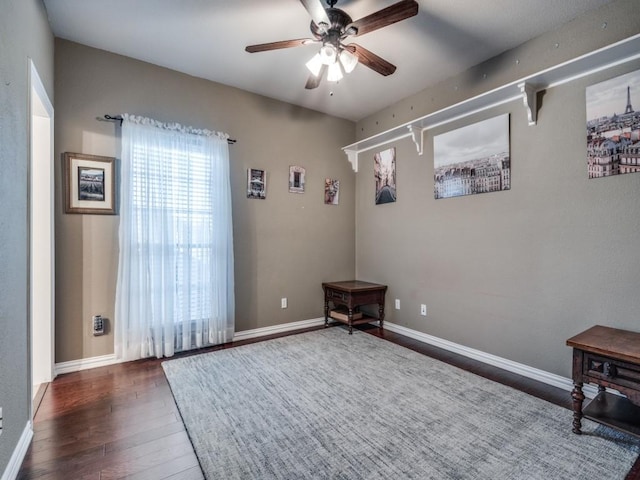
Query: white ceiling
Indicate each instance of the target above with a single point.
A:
(206, 38)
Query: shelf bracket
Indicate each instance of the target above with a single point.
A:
(352, 156)
(416, 136)
(530, 100)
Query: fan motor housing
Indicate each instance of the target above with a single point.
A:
(339, 21)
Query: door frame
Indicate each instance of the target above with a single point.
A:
(40, 233)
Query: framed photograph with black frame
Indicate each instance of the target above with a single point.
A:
(89, 184)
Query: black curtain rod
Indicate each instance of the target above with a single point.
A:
(118, 118)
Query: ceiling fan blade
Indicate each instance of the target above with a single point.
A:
(316, 10)
(371, 60)
(314, 80)
(387, 16)
(263, 47)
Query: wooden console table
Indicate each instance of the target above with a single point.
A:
(353, 294)
(609, 358)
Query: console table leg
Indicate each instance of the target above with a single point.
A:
(578, 398)
(326, 313)
(381, 315)
(350, 321)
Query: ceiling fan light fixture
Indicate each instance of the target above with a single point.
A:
(315, 64)
(348, 60)
(334, 74)
(328, 53)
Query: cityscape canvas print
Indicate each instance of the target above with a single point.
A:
(296, 179)
(331, 191)
(385, 174)
(256, 183)
(613, 126)
(473, 159)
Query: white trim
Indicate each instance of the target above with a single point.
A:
(283, 327)
(543, 376)
(13, 467)
(46, 332)
(86, 363)
(38, 86)
(105, 360)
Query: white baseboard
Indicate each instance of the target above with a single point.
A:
(543, 376)
(104, 360)
(284, 327)
(13, 467)
(85, 364)
(548, 378)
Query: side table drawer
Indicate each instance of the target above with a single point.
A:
(614, 371)
(336, 295)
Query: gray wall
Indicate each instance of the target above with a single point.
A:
(511, 273)
(285, 246)
(24, 33)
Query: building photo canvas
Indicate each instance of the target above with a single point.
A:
(613, 126)
(473, 159)
(296, 179)
(385, 174)
(331, 191)
(256, 183)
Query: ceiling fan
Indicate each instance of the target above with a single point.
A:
(330, 27)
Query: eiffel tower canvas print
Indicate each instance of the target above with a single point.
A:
(613, 126)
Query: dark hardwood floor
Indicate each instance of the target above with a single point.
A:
(121, 421)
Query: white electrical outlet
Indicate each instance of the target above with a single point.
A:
(397, 304)
(423, 310)
(283, 302)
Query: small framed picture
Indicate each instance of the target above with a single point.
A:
(256, 183)
(89, 184)
(331, 191)
(296, 179)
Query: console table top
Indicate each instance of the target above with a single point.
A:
(608, 341)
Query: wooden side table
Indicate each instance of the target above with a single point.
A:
(353, 294)
(609, 358)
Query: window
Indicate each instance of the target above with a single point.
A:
(175, 278)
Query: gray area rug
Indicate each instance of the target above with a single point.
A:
(326, 404)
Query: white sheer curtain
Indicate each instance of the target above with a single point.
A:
(175, 273)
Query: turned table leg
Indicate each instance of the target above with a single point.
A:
(381, 314)
(326, 313)
(350, 321)
(578, 398)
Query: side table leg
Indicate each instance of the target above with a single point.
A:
(578, 398)
(326, 313)
(381, 315)
(350, 321)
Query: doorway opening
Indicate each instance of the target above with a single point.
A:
(41, 234)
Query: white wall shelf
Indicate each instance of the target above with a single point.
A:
(525, 89)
